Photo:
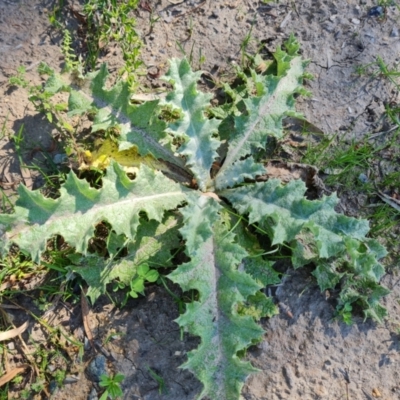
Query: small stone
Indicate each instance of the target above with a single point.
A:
(70, 379)
(53, 387)
(51, 368)
(11, 346)
(93, 395)
(355, 21)
(328, 26)
(289, 376)
(363, 178)
(60, 158)
(96, 368)
(376, 11)
(394, 32)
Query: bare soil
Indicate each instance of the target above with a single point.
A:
(306, 354)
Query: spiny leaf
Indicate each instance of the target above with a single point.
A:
(152, 245)
(264, 114)
(258, 306)
(241, 170)
(317, 234)
(139, 126)
(200, 146)
(153, 242)
(79, 208)
(260, 269)
(327, 275)
(367, 294)
(213, 272)
(285, 211)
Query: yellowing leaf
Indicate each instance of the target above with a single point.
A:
(107, 150)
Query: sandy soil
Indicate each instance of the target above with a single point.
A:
(305, 354)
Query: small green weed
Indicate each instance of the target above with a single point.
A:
(112, 384)
(159, 380)
(55, 14)
(379, 68)
(112, 20)
(72, 62)
(344, 313)
(19, 79)
(136, 286)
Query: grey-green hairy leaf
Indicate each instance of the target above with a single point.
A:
(264, 113)
(200, 146)
(79, 208)
(213, 272)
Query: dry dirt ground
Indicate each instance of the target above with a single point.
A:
(305, 353)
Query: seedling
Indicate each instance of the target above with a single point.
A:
(19, 79)
(159, 380)
(136, 287)
(112, 384)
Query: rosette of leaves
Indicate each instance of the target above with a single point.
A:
(229, 223)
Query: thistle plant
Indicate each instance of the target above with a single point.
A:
(206, 202)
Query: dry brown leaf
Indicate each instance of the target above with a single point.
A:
(287, 172)
(389, 200)
(376, 393)
(5, 285)
(211, 194)
(85, 317)
(12, 374)
(26, 175)
(13, 332)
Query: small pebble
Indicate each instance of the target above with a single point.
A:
(60, 158)
(328, 26)
(70, 379)
(96, 368)
(51, 368)
(53, 387)
(394, 32)
(355, 21)
(376, 11)
(93, 395)
(363, 178)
